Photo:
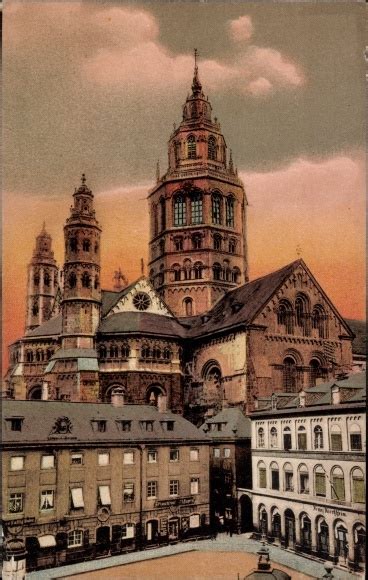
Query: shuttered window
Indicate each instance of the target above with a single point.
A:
(104, 495)
(77, 498)
(321, 484)
(336, 442)
(262, 477)
(358, 490)
(338, 488)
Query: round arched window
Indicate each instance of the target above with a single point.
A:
(141, 301)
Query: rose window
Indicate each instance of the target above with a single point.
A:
(141, 301)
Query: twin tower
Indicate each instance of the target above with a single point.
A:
(197, 248)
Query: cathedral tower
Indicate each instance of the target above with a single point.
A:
(81, 302)
(42, 284)
(198, 214)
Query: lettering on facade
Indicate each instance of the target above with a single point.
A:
(333, 512)
(174, 502)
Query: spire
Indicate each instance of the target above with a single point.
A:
(196, 84)
(231, 163)
(158, 171)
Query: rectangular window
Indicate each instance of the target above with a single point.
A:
(103, 459)
(47, 461)
(77, 501)
(75, 538)
(99, 425)
(104, 497)
(180, 212)
(125, 425)
(230, 213)
(262, 477)
(289, 485)
(174, 487)
(304, 483)
(174, 455)
(194, 521)
(321, 484)
(355, 442)
(216, 452)
(147, 425)
(197, 211)
(302, 441)
(194, 454)
(287, 441)
(275, 479)
(16, 503)
(152, 456)
(77, 459)
(47, 500)
(358, 490)
(16, 424)
(227, 452)
(338, 488)
(17, 463)
(128, 492)
(178, 242)
(336, 442)
(128, 458)
(194, 485)
(151, 489)
(127, 531)
(216, 210)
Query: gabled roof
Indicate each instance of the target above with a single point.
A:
(39, 419)
(234, 424)
(359, 327)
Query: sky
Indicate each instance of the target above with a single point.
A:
(95, 87)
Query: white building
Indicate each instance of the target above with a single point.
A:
(308, 465)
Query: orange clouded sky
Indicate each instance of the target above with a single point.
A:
(82, 93)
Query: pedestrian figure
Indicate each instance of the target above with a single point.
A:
(231, 531)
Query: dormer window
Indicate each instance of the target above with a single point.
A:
(99, 425)
(147, 425)
(125, 425)
(16, 423)
(168, 425)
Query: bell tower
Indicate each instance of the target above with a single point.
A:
(81, 303)
(42, 284)
(197, 248)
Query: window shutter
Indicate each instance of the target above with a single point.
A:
(338, 489)
(262, 477)
(358, 490)
(320, 484)
(336, 442)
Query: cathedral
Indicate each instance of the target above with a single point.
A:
(196, 335)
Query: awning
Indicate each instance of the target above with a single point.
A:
(104, 491)
(77, 497)
(47, 541)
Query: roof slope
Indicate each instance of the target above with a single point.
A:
(234, 424)
(141, 322)
(51, 327)
(359, 327)
(40, 417)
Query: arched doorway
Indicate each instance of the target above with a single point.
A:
(102, 540)
(359, 545)
(289, 529)
(276, 524)
(152, 531)
(35, 393)
(109, 391)
(305, 533)
(263, 521)
(341, 542)
(322, 538)
(246, 513)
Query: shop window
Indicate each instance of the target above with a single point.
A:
(75, 539)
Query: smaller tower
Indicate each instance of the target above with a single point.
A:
(42, 285)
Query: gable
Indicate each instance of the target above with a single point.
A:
(140, 297)
(301, 281)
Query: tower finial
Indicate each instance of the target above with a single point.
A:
(196, 85)
(231, 163)
(195, 58)
(43, 227)
(158, 171)
(83, 178)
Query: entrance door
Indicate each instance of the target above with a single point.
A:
(246, 511)
(323, 540)
(102, 541)
(342, 544)
(289, 529)
(152, 531)
(173, 529)
(360, 547)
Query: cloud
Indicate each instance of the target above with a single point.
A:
(119, 49)
(241, 28)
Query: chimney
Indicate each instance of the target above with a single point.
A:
(117, 397)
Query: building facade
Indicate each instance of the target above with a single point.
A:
(82, 481)
(308, 464)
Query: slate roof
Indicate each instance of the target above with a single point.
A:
(141, 322)
(51, 327)
(235, 424)
(40, 418)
